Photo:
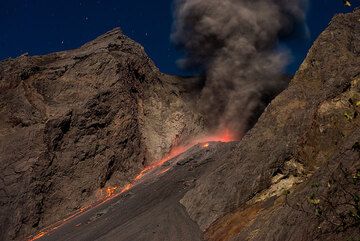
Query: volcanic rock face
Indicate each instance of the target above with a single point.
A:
(74, 122)
(306, 143)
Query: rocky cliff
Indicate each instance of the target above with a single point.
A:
(73, 123)
(295, 175)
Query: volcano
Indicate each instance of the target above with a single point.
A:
(98, 144)
(88, 124)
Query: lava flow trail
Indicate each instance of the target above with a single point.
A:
(114, 194)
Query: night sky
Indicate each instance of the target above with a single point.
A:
(45, 26)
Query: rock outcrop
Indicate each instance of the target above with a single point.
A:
(74, 122)
(295, 175)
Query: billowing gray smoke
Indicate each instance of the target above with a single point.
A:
(235, 42)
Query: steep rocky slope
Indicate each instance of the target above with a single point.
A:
(295, 175)
(73, 123)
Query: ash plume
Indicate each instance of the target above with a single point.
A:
(235, 43)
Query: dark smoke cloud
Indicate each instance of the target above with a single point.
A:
(235, 43)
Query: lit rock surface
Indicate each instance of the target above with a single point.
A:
(303, 139)
(74, 122)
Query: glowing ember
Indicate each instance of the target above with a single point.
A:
(220, 136)
(126, 188)
(39, 235)
(206, 145)
(164, 171)
(111, 192)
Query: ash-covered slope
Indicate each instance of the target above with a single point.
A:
(74, 122)
(306, 143)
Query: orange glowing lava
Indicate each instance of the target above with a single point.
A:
(164, 171)
(206, 145)
(39, 235)
(111, 192)
(126, 188)
(173, 153)
(220, 136)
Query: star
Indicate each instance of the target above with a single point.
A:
(347, 3)
(62, 42)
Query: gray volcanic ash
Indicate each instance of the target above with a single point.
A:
(235, 42)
